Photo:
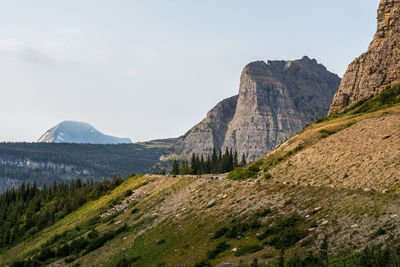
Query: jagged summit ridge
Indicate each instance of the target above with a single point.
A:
(377, 68)
(276, 99)
(80, 133)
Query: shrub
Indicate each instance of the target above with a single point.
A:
(45, 254)
(220, 233)
(128, 193)
(78, 245)
(380, 232)
(246, 250)
(134, 210)
(161, 241)
(69, 259)
(285, 232)
(93, 234)
(127, 262)
(325, 133)
(263, 213)
(238, 230)
(267, 176)
(221, 247)
(244, 172)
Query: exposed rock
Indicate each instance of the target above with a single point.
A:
(317, 209)
(370, 73)
(124, 205)
(240, 200)
(226, 264)
(211, 204)
(276, 99)
(325, 222)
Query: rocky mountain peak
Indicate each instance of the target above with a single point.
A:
(80, 133)
(276, 99)
(379, 67)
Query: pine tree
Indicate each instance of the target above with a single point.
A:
(230, 162)
(193, 165)
(243, 162)
(214, 161)
(175, 168)
(235, 160)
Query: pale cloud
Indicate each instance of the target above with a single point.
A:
(19, 50)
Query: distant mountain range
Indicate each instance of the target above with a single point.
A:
(79, 133)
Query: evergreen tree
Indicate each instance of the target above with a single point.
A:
(175, 168)
(243, 162)
(235, 160)
(214, 161)
(230, 161)
(193, 165)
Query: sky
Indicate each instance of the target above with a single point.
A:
(153, 69)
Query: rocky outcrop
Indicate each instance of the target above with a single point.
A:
(379, 67)
(276, 99)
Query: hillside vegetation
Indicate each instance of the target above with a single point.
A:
(45, 163)
(329, 195)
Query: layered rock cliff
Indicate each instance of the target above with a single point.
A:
(276, 99)
(370, 73)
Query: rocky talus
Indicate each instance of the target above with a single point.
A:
(276, 99)
(379, 67)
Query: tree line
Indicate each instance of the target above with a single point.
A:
(214, 163)
(29, 209)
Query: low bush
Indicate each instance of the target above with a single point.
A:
(246, 250)
(263, 213)
(285, 233)
(128, 193)
(221, 247)
(220, 233)
(134, 210)
(238, 230)
(325, 133)
(127, 262)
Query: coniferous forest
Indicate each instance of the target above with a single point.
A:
(29, 209)
(212, 164)
(45, 163)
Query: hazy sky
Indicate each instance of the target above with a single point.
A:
(152, 69)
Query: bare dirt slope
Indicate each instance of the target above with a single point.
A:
(363, 153)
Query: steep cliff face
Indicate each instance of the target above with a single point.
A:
(370, 73)
(276, 100)
(209, 133)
